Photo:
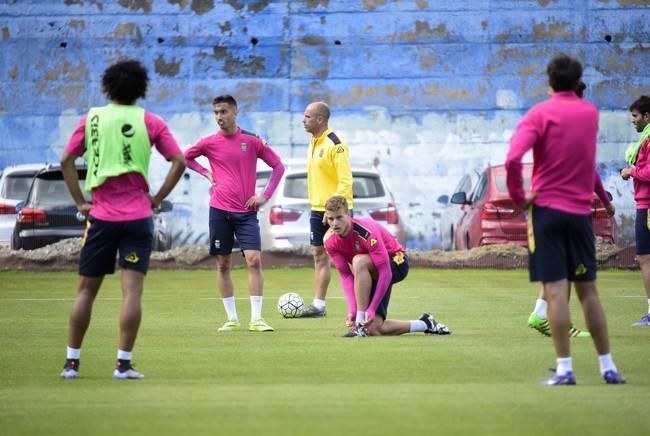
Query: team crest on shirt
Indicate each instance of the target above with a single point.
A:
(373, 242)
(340, 149)
(244, 147)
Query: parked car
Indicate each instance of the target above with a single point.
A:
(490, 217)
(49, 215)
(284, 219)
(450, 213)
(14, 186)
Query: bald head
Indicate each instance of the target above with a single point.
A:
(316, 117)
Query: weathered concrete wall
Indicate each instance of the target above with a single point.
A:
(428, 90)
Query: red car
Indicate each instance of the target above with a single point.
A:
(489, 216)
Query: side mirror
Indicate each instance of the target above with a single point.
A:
(20, 206)
(165, 206)
(443, 199)
(459, 198)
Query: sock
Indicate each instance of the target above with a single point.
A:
(648, 306)
(256, 307)
(361, 317)
(417, 326)
(73, 353)
(319, 304)
(540, 308)
(564, 365)
(231, 311)
(606, 363)
(124, 355)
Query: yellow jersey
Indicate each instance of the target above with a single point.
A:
(328, 170)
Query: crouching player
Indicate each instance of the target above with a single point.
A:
(369, 260)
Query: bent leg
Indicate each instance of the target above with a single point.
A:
(82, 309)
(131, 314)
(389, 327)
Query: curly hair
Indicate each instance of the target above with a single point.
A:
(564, 73)
(125, 81)
(641, 104)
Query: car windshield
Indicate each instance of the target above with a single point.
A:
(16, 186)
(363, 186)
(53, 192)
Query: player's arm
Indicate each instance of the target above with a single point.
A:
(526, 135)
(167, 146)
(380, 259)
(271, 158)
(599, 189)
(347, 280)
(190, 159)
(641, 172)
(75, 148)
(341, 159)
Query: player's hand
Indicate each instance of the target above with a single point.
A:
(349, 320)
(84, 208)
(255, 202)
(611, 210)
(210, 179)
(626, 173)
(528, 200)
(370, 317)
(154, 202)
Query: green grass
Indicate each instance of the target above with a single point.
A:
(304, 379)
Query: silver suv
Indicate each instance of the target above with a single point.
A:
(15, 182)
(284, 219)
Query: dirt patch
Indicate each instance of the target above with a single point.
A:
(64, 256)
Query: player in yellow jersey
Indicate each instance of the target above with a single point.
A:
(328, 174)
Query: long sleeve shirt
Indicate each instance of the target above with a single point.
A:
(562, 132)
(366, 236)
(641, 176)
(233, 164)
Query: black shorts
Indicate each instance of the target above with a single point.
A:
(560, 246)
(224, 226)
(317, 229)
(642, 232)
(104, 239)
(399, 268)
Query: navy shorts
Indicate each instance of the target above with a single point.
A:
(103, 241)
(642, 232)
(399, 268)
(317, 229)
(224, 226)
(560, 246)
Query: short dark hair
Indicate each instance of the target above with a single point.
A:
(125, 81)
(580, 90)
(641, 104)
(564, 73)
(226, 98)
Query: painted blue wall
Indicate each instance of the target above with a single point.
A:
(427, 89)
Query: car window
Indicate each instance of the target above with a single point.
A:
(481, 186)
(363, 186)
(261, 181)
(502, 186)
(53, 192)
(16, 186)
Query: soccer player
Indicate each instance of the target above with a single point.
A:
(116, 140)
(328, 174)
(232, 154)
(369, 260)
(561, 243)
(638, 156)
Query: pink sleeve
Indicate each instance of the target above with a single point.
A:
(599, 189)
(347, 278)
(525, 136)
(642, 173)
(190, 158)
(76, 146)
(380, 259)
(271, 158)
(160, 136)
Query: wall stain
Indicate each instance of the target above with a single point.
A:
(428, 60)
(181, 3)
(225, 27)
(371, 5)
(98, 3)
(5, 33)
(554, 31)
(422, 4)
(253, 6)
(14, 72)
(544, 3)
(423, 30)
(236, 66)
(64, 71)
(312, 40)
(77, 24)
(200, 7)
(167, 69)
(315, 3)
(135, 5)
(128, 30)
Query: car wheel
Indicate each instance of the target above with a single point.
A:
(15, 242)
(453, 241)
(468, 246)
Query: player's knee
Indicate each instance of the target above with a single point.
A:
(360, 264)
(254, 261)
(223, 266)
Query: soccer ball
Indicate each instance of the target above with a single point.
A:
(291, 305)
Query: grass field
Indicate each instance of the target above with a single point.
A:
(304, 379)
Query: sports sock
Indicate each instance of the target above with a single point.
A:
(564, 365)
(606, 363)
(319, 304)
(231, 310)
(361, 317)
(648, 305)
(417, 325)
(540, 308)
(124, 355)
(256, 307)
(73, 353)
